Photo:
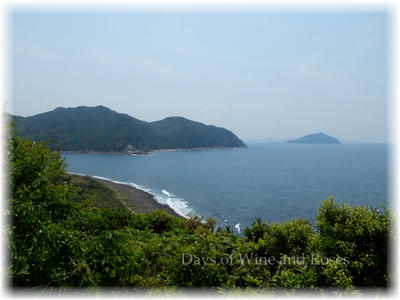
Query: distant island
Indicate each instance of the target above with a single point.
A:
(316, 138)
(100, 129)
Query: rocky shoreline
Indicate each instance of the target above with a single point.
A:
(197, 149)
(143, 152)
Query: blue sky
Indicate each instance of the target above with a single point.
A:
(261, 74)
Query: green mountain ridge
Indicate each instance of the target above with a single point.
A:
(100, 129)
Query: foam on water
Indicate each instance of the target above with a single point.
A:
(237, 226)
(179, 205)
(165, 192)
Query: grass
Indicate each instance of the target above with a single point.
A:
(96, 192)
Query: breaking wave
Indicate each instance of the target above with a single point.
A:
(237, 226)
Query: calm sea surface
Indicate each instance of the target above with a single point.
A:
(274, 181)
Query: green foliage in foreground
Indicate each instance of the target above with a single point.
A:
(58, 239)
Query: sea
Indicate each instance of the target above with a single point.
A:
(273, 181)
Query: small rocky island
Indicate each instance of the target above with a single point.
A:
(316, 138)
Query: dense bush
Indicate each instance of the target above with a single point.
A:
(359, 233)
(58, 239)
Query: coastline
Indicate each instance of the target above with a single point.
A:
(197, 149)
(142, 152)
(134, 199)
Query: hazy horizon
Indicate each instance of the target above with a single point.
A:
(251, 140)
(263, 75)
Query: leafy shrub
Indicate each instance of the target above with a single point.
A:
(291, 238)
(361, 234)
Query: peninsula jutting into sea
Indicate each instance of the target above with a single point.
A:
(100, 129)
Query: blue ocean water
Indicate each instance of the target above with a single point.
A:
(274, 181)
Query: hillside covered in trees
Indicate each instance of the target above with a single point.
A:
(99, 129)
(60, 238)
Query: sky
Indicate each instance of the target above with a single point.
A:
(262, 74)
